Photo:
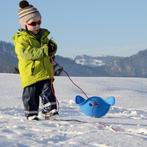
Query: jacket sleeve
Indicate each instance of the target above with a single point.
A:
(26, 51)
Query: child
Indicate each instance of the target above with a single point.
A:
(34, 52)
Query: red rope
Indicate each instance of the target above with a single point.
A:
(72, 80)
(52, 80)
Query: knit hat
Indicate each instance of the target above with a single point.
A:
(27, 12)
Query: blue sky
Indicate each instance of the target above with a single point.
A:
(92, 27)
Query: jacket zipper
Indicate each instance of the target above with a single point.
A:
(43, 53)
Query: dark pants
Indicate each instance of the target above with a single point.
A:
(31, 94)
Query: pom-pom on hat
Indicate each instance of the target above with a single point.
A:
(27, 12)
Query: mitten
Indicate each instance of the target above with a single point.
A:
(52, 47)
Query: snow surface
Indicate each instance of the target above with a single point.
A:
(124, 126)
(89, 61)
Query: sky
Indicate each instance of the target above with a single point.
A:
(91, 27)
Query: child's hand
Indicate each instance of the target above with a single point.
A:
(52, 48)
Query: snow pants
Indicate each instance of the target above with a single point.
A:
(32, 95)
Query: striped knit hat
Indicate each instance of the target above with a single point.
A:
(27, 12)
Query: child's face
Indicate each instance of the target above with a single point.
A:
(34, 25)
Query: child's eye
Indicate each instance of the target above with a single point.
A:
(90, 104)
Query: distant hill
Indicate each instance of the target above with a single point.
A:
(133, 66)
(8, 63)
(75, 69)
(8, 60)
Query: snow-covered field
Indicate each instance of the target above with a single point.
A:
(124, 126)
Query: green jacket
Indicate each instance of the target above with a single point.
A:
(33, 61)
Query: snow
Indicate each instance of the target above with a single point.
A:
(91, 62)
(124, 126)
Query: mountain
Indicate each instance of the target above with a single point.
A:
(133, 66)
(8, 60)
(90, 61)
(8, 63)
(75, 69)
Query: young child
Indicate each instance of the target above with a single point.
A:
(34, 52)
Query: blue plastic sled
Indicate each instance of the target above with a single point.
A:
(95, 106)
